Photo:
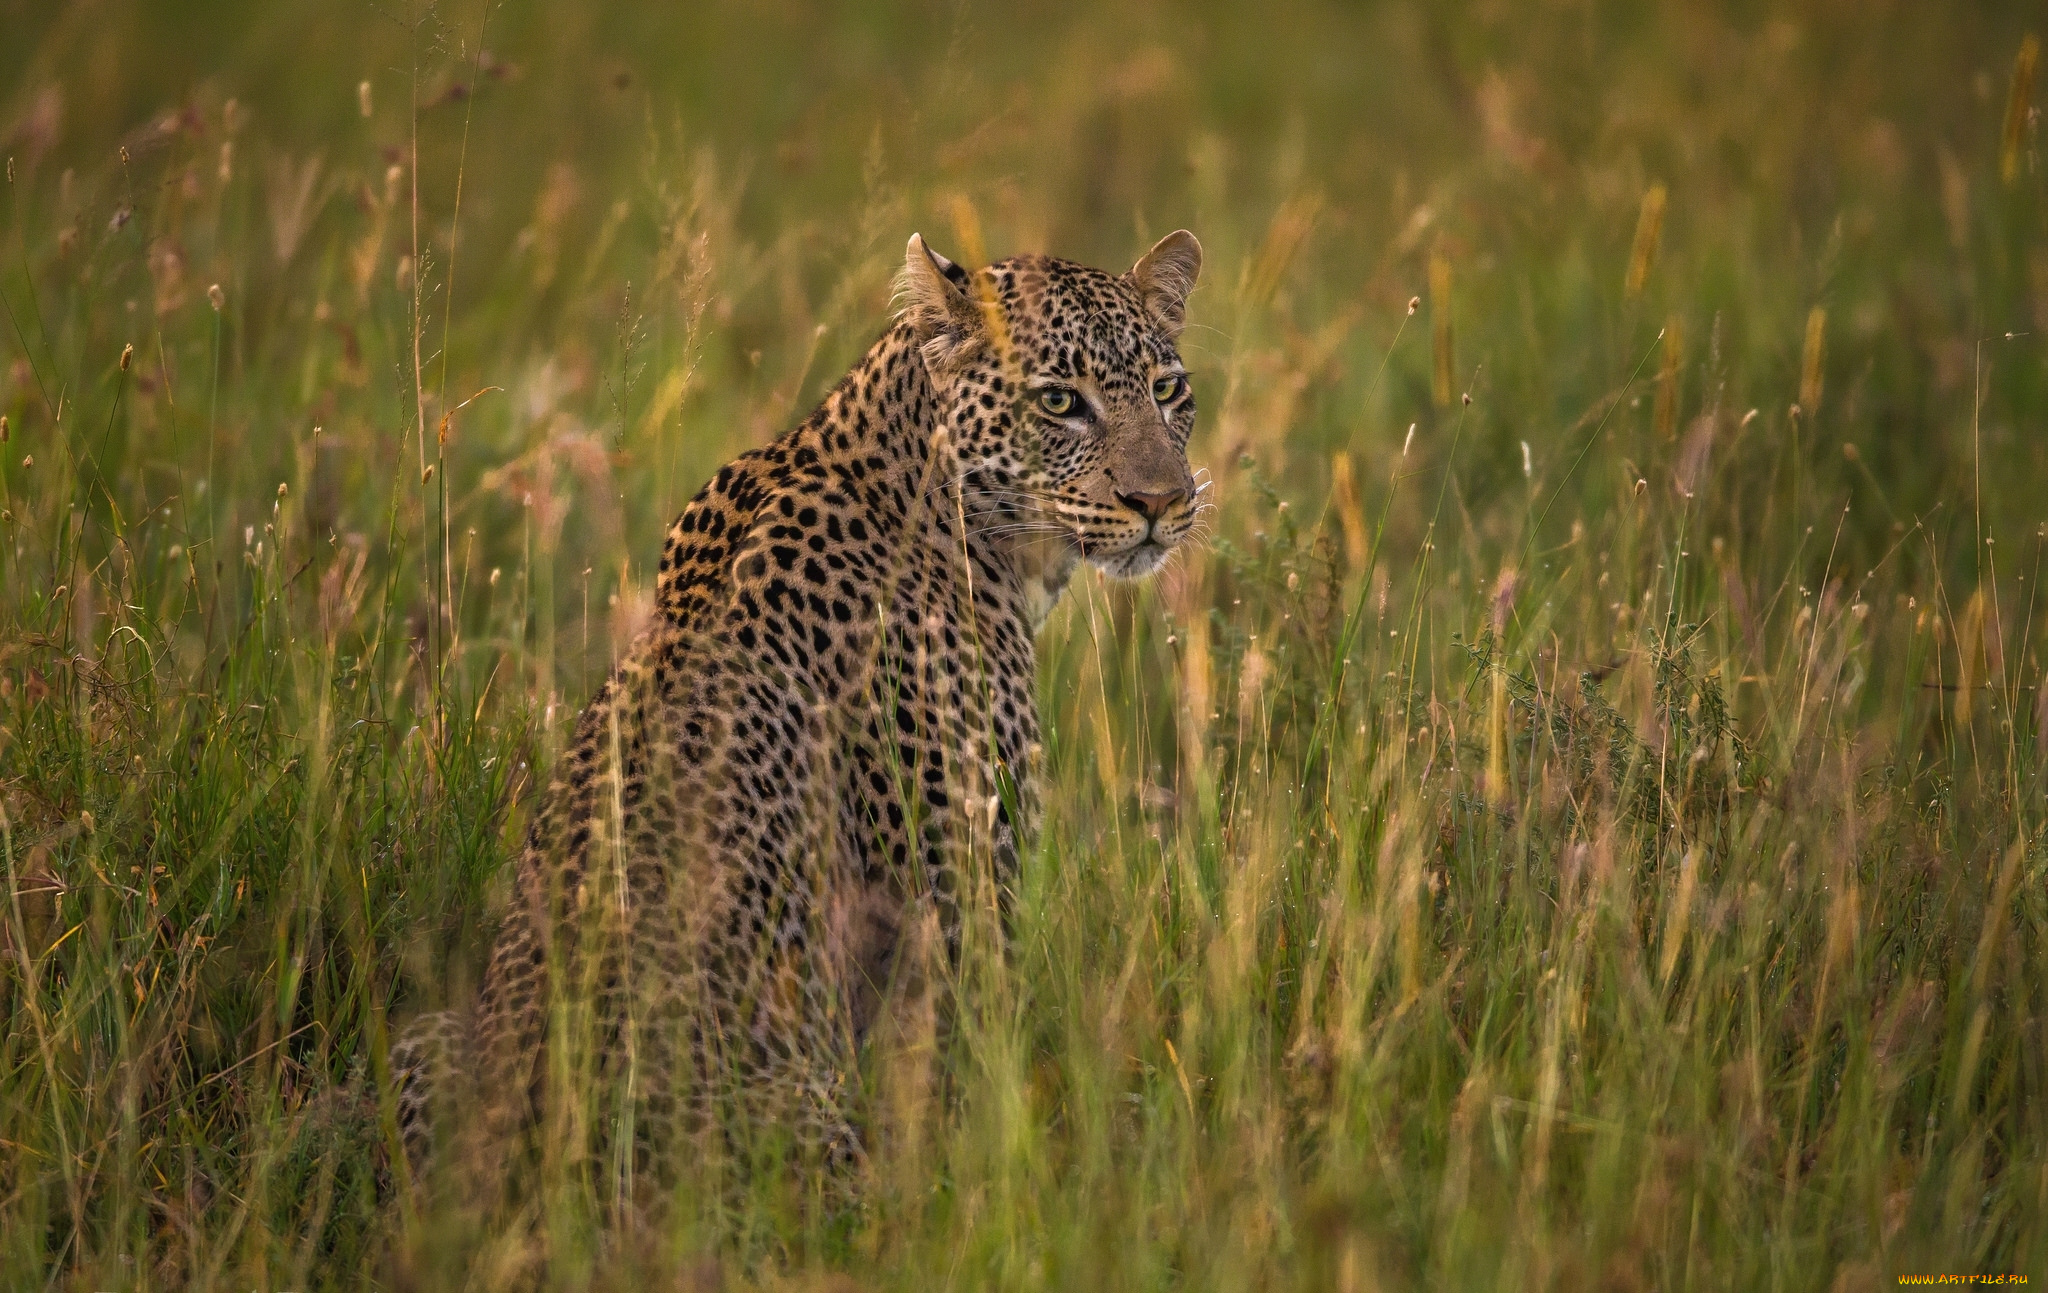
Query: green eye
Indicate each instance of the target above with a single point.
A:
(1059, 402)
(1164, 389)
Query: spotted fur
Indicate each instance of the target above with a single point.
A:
(832, 717)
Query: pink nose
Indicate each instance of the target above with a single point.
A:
(1150, 506)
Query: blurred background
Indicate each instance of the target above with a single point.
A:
(662, 231)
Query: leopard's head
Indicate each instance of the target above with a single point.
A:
(1066, 402)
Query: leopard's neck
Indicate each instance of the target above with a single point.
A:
(888, 409)
(879, 448)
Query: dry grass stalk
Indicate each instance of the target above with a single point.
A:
(1970, 672)
(1284, 238)
(1649, 228)
(1811, 377)
(1669, 379)
(2019, 104)
(1350, 515)
(1444, 381)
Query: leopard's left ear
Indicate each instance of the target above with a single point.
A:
(1165, 275)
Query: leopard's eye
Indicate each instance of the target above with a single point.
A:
(1059, 402)
(1165, 389)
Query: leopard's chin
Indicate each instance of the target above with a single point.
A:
(1135, 562)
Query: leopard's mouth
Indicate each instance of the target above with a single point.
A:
(1123, 551)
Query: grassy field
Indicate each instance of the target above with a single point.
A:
(1577, 823)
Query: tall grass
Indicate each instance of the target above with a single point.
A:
(1577, 820)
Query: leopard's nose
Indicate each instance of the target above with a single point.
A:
(1150, 506)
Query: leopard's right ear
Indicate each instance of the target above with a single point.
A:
(1165, 275)
(933, 292)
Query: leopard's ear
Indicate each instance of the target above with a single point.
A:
(1165, 275)
(933, 293)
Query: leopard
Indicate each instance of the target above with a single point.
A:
(821, 757)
